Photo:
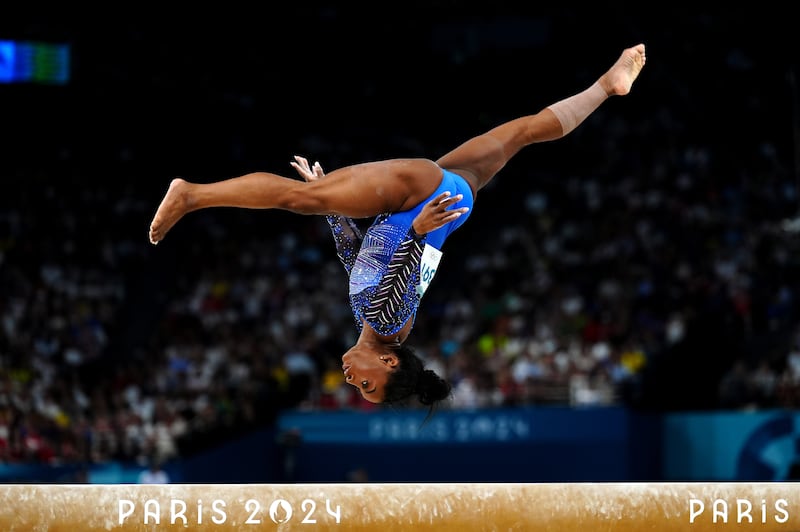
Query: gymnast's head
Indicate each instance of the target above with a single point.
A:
(393, 377)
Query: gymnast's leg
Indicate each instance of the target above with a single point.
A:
(386, 186)
(481, 157)
(357, 191)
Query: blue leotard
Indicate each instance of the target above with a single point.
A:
(390, 266)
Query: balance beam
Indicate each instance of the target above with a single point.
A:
(400, 507)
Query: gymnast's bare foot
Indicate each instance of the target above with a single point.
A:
(174, 205)
(620, 77)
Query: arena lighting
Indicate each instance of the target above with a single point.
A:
(34, 62)
(402, 507)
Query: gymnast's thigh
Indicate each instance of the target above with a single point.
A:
(373, 188)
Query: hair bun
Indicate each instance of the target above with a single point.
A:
(432, 388)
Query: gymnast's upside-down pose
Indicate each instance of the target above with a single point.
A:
(416, 203)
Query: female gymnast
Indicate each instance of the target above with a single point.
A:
(416, 203)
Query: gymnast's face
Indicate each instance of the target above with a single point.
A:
(368, 371)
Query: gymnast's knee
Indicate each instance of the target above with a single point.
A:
(303, 200)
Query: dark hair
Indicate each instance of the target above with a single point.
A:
(410, 378)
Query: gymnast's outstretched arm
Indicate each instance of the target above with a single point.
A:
(346, 234)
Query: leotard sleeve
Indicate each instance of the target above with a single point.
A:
(348, 239)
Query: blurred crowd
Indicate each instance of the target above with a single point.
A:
(655, 270)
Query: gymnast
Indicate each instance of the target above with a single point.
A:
(416, 203)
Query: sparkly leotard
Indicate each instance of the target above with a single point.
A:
(387, 266)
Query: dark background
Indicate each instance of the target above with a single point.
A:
(175, 90)
(208, 94)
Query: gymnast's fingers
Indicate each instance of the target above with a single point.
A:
(301, 171)
(454, 213)
(439, 199)
(449, 201)
(301, 165)
(302, 161)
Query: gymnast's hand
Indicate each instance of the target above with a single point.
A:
(435, 213)
(309, 173)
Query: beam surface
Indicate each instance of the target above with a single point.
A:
(401, 507)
